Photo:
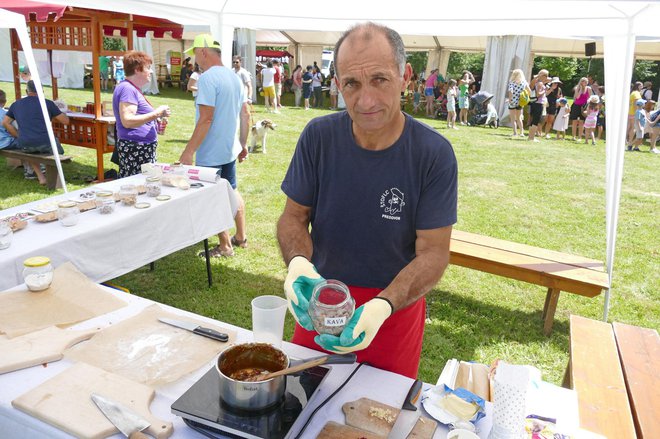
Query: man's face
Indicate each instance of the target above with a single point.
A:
(370, 82)
(201, 57)
(236, 64)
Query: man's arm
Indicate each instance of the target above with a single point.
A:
(422, 273)
(199, 133)
(249, 87)
(7, 123)
(62, 118)
(293, 231)
(243, 133)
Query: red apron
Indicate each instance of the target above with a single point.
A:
(397, 346)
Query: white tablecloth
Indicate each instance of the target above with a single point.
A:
(369, 382)
(106, 246)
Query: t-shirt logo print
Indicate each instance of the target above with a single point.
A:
(392, 203)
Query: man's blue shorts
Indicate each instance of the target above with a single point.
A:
(228, 172)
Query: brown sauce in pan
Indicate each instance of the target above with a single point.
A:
(246, 361)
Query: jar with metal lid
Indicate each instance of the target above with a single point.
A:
(331, 307)
(37, 273)
(153, 186)
(67, 213)
(128, 194)
(105, 202)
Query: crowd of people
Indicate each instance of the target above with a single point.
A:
(541, 106)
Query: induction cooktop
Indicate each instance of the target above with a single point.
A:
(202, 408)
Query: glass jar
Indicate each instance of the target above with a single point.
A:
(67, 213)
(153, 186)
(331, 307)
(37, 273)
(105, 202)
(128, 194)
(6, 235)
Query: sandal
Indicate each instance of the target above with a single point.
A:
(215, 252)
(236, 243)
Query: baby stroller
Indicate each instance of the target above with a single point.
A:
(482, 111)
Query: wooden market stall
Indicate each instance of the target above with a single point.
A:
(80, 29)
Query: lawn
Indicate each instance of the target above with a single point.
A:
(550, 194)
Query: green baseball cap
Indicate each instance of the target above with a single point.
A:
(201, 41)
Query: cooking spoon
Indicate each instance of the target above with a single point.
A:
(325, 359)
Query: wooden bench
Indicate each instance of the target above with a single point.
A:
(614, 370)
(52, 178)
(555, 270)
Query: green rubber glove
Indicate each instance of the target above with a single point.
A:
(360, 329)
(298, 287)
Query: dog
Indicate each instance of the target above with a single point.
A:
(259, 134)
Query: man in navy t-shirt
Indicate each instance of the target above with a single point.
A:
(32, 133)
(379, 190)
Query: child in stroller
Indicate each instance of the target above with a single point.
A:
(482, 111)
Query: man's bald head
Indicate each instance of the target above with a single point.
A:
(367, 31)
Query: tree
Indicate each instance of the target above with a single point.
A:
(418, 61)
(113, 43)
(458, 61)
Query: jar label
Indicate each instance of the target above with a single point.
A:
(334, 321)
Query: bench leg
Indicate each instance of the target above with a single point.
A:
(52, 179)
(551, 299)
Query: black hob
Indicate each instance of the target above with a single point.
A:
(203, 410)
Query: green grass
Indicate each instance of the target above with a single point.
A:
(550, 195)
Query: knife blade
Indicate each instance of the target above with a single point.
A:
(408, 415)
(197, 329)
(125, 419)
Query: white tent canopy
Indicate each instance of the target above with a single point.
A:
(17, 21)
(617, 22)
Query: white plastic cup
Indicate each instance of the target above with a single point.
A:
(268, 313)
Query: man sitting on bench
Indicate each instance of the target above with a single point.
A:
(31, 133)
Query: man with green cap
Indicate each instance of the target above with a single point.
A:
(217, 140)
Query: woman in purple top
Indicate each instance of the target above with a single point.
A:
(137, 137)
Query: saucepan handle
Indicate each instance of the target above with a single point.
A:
(348, 358)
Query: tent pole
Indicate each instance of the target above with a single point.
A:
(618, 71)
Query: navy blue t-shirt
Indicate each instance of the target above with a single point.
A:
(31, 126)
(307, 76)
(367, 205)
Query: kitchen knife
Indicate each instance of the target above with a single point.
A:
(199, 330)
(126, 420)
(408, 415)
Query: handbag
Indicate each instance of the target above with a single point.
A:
(524, 98)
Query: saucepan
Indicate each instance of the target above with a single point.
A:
(238, 364)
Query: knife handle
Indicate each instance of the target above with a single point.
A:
(412, 396)
(211, 333)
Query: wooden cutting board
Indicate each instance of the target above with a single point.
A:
(333, 430)
(64, 401)
(38, 347)
(358, 415)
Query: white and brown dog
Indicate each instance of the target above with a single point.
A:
(259, 134)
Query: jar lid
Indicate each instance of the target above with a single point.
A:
(153, 179)
(36, 261)
(67, 204)
(103, 194)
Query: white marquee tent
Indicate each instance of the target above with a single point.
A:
(617, 23)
